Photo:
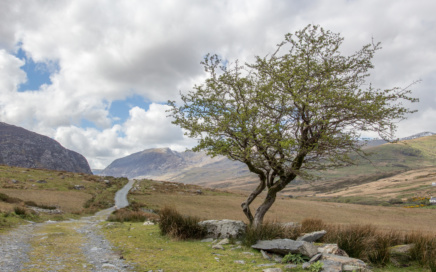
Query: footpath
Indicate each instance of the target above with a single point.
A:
(73, 245)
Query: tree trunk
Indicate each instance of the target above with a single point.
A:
(262, 209)
(246, 204)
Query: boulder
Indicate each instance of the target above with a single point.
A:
(332, 249)
(346, 263)
(285, 246)
(313, 236)
(223, 228)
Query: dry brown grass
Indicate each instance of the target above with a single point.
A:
(209, 206)
(67, 201)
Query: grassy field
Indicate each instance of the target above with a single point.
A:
(149, 250)
(73, 194)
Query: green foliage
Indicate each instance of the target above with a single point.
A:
(298, 109)
(294, 258)
(178, 226)
(315, 267)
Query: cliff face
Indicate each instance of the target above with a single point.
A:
(23, 148)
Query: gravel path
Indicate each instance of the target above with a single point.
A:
(15, 247)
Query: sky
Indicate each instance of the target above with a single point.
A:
(96, 75)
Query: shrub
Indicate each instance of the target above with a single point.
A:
(424, 250)
(31, 203)
(378, 250)
(294, 258)
(311, 225)
(126, 215)
(20, 210)
(178, 226)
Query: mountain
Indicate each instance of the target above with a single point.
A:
(219, 172)
(186, 167)
(23, 148)
(377, 142)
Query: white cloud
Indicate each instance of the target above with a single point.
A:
(110, 50)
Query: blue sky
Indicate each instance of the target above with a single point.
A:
(96, 76)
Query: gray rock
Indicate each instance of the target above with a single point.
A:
(305, 265)
(240, 262)
(315, 258)
(265, 255)
(218, 247)
(223, 228)
(332, 249)
(272, 270)
(79, 187)
(331, 266)
(344, 261)
(285, 246)
(207, 240)
(290, 266)
(41, 181)
(224, 241)
(313, 236)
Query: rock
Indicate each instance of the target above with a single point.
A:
(331, 266)
(79, 187)
(218, 247)
(315, 258)
(265, 255)
(224, 241)
(208, 240)
(199, 192)
(305, 265)
(41, 181)
(148, 223)
(313, 236)
(106, 265)
(223, 228)
(240, 262)
(15, 181)
(290, 266)
(285, 246)
(332, 249)
(401, 249)
(272, 270)
(344, 261)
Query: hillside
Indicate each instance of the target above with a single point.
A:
(196, 168)
(23, 148)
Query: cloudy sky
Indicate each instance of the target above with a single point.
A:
(96, 75)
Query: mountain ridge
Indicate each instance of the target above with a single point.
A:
(24, 148)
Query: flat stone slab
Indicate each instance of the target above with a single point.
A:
(285, 246)
(313, 236)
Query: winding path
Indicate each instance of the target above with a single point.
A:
(74, 245)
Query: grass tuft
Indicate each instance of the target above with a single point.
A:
(179, 226)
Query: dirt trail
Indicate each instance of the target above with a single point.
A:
(74, 245)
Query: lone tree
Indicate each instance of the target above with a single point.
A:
(290, 113)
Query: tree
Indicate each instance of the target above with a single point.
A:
(290, 113)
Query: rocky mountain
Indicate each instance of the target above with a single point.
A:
(166, 164)
(23, 148)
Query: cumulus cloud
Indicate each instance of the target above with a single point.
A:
(108, 51)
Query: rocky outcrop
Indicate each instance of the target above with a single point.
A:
(285, 246)
(223, 228)
(23, 148)
(313, 236)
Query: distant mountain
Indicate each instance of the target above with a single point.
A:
(23, 148)
(220, 172)
(187, 167)
(376, 142)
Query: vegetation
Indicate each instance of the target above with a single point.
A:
(178, 226)
(290, 112)
(24, 192)
(132, 213)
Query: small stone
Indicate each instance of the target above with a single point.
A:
(290, 266)
(208, 240)
(272, 270)
(305, 265)
(224, 242)
(268, 264)
(265, 255)
(106, 265)
(240, 262)
(218, 247)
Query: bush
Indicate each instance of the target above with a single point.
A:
(311, 225)
(424, 251)
(126, 215)
(178, 226)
